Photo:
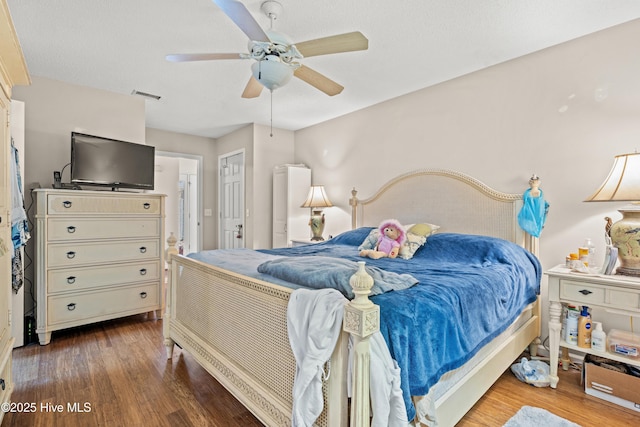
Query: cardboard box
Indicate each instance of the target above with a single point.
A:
(615, 387)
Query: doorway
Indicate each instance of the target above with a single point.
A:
(231, 233)
(179, 176)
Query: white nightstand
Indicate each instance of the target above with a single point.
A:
(303, 242)
(615, 293)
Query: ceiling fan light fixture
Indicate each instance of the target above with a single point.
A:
(271, 73)
(277, 58)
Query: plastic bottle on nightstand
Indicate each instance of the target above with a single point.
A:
(591, 257)
(598, 338)
(584, 328)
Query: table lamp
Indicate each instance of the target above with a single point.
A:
(316, 199)
(623, 185)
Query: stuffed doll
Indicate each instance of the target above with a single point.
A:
(391, 237)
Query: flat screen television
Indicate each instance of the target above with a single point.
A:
(111, 163)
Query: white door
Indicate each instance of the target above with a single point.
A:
(188, 212)
(231, 198)
(171, 170)
(5, 225)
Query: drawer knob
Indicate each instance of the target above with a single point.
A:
(585, 292)
(71, 280)
(143, 295)
(143, 249)
(2, 383)
(146, 205)
(71, 255)
(66, 204)
(71, 229)
(143, 271)
(71, 306)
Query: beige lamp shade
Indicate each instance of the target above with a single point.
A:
(623, 182)
(317, 198)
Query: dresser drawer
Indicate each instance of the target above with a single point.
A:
(604, 296)
(102, 304)
(79, 278)
(81, 204)
(587, 293)
(75, 254)
(627, 299)
(101, 228)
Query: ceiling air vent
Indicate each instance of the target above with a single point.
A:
(146, 95)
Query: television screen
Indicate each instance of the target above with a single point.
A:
(111, 163)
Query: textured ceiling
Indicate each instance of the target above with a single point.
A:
(120, 45)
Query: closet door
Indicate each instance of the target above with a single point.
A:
(14, 71)
(6, 340)
(5, 223)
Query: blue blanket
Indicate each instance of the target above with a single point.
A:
(471, 288)
(320, 272)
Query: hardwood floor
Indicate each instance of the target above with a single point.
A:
(117, 373)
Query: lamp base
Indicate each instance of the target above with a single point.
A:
(625, 235)
(317, 225)
(628, 271)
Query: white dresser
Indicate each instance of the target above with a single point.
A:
(99, 256)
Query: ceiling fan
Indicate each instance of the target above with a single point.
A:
(277, 59)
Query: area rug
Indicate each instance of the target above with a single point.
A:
(529, 416)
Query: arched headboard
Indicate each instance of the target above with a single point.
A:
(456, 202)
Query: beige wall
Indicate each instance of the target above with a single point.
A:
(562, 113)
(54, 109)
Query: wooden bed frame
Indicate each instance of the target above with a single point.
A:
(235, 326)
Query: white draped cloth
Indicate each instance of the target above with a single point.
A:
(314, 322)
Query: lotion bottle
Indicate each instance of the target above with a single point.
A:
(571, 329)
(598, 338)
(584, 328)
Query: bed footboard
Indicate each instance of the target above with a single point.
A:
(236, 328)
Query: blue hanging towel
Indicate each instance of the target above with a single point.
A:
(533, 214)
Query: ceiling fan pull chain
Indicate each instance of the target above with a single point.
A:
(271, 131)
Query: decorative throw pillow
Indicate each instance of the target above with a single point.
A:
(371, 241)
(417, 235)
(422, 229)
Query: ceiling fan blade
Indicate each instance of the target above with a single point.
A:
(253, 88)
(318, 81)
(186, 57)
(243, 19)
(347, 42)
